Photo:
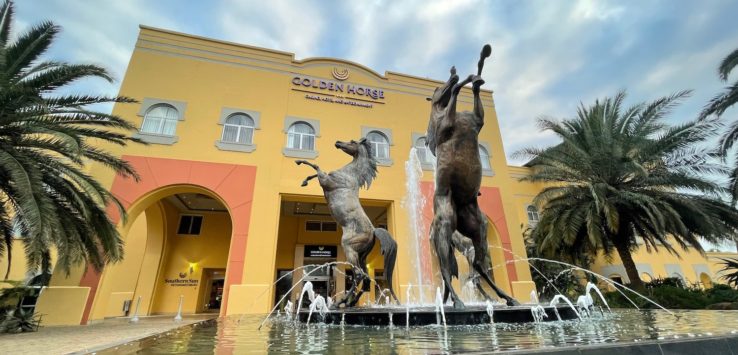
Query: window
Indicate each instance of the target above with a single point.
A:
(301, 136)
(321, 226)
(533, 216)
(484, 158)
(422, 151)
(160, 119)
(617, 278)
(238, 128)
(379, 143)
(189, 225)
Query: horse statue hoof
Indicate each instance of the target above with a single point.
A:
(304, 183)
(512, 302)
(459, 305)
(299, 162)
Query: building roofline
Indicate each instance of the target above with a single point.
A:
(291, 56)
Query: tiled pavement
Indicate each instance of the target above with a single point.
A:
(70, 339)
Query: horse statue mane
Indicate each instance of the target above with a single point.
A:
(366, 171)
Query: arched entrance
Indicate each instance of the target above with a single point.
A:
(231, 185)
(177, 246)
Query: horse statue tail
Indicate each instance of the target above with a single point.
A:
(388, 246)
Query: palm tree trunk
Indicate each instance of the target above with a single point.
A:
(630, 268)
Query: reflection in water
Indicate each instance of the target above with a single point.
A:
(229, 335)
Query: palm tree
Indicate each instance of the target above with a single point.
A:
(46, 140)
(730, 271)
(622, 177)
(717, 107)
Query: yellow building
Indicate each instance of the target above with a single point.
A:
(219, 214)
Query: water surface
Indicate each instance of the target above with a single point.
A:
(240, 335)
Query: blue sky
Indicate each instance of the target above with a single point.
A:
(547, 55)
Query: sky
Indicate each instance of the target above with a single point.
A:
(548, 56)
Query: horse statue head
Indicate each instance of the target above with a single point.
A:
(365, 164)
(439, 102)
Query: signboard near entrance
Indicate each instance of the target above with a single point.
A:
(321, 251)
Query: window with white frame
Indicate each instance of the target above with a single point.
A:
(160, 119)
(422, 151)
(533, 216)
(379, 143)
(301, 136)
(484, 158)
(238, 128)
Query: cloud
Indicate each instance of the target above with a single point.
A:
(548, 56)
(102, 33)
(296, 27)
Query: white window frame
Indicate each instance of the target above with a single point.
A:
(377, 145)
(162, 120)
(301, 136)
(158, 137)
(238, 127)
(300, 152)
(484, 147)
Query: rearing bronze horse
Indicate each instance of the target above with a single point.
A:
(341, 191)
(453, 138)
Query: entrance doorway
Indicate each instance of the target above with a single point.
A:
(212, 298)
(320, 276)
(310, 238)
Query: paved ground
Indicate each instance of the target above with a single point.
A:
(70, 339)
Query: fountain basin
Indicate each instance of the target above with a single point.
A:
(471, 315)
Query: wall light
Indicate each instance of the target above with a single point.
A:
(192, 267)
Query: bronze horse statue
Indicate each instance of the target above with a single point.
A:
(453, 138)
(341, 191)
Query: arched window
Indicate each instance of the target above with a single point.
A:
(238, 128)
(484, 158)
(533, 216)
(422, 151)
(160, 119)
(379, 143)
(301, 136)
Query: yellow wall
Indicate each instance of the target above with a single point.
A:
(205, 251)
(18, 268)
(62, 305)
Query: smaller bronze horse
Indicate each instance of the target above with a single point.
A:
(341, 191)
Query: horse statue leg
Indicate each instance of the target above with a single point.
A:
(474, 226)
(442, 228)
(307, 179)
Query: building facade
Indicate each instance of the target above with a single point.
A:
(219, 220)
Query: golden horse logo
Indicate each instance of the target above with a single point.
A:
(342, 74)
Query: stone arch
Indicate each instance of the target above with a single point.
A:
(232, 184)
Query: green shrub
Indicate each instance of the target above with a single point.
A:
(670, 293)
(19, 320)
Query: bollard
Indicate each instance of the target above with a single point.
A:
(134, 319)
(178, 318)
